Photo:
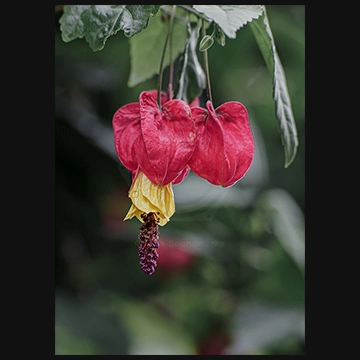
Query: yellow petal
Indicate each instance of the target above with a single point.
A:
(147, 197)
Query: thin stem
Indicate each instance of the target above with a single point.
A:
(171, 68)
(168, 13)
(206, 62)
(163, 55)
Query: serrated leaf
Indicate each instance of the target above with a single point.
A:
(140, 17)
(263, 35)
(230, 17)
(71, 25)
(192, 79)
(146, 49)
(97, 22)
(102, 21)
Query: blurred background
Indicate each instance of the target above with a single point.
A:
(230, 276)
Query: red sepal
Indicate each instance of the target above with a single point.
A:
(224, 143)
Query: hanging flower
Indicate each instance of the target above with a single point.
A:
(155, 144)
(224, 144)
(158, 141)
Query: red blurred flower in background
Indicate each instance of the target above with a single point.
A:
(214, 343)
(174, 257)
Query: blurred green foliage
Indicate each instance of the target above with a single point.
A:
(230, 277)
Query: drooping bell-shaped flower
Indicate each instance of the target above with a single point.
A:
(159, 141)
(224, 143)
(155, 144)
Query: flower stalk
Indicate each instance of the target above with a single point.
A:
(206, 64)
(171, 22)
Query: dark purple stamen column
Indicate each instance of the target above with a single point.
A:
(149, 236)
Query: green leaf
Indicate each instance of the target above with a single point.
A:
(287, 222)
(146, 49)
(263, 35)
(192, 79)
(101, 21)
(230, 17)
(71, 25)
(140, 17)
(97, 22)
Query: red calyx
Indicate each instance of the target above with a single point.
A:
(159, 141)
(224, 144)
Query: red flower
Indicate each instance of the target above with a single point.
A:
(224, 144)
(160, 142)
(174, 258)
(155, 144)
